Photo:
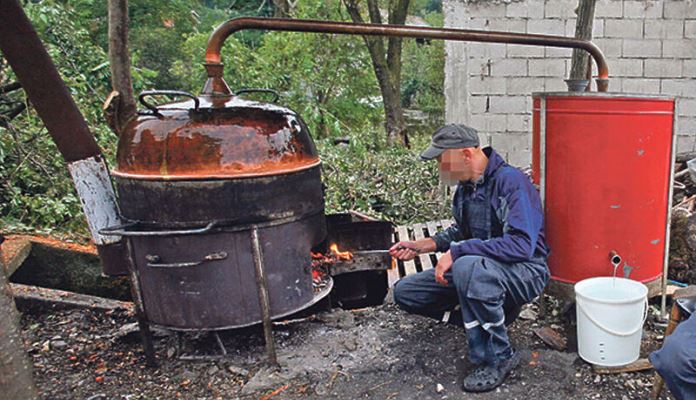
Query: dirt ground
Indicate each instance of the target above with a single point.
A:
(376, 353)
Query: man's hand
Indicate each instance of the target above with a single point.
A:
(404, 250)
(444, 264)
(408, 250)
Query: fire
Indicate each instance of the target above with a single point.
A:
(342, 255)
(322, 262)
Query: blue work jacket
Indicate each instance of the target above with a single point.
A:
(499, 216)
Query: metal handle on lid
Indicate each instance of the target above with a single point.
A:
(152, 93)
(275, 94)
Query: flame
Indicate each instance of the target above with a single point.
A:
(342, 255)
(317, 275)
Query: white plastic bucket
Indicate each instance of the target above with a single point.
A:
(610, 315)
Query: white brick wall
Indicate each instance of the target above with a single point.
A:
(650, 46)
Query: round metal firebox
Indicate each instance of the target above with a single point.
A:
(194, 179)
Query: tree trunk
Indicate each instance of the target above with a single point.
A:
(120, 107)
(394, 124)
(281, 8)
(386, 63)
(579, 68)
(15, 370)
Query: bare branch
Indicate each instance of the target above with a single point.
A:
(10, 87)
(373, 10)
(9, 115)
(281, 8)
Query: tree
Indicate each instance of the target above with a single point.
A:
(386, 62)
(121, 105)
(579, 68)
(281, 8)
(15, 371)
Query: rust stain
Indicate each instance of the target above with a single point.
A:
(242, 139)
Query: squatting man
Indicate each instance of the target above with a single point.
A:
(494, 257)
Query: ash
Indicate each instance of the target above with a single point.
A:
(376, 353)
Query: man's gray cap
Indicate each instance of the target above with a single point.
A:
(452, 136)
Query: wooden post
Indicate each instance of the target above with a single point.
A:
(15, 370)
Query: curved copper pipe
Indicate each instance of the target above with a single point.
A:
(217, 38)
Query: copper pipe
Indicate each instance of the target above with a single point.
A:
(213, 61)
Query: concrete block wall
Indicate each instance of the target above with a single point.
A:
(650, 47)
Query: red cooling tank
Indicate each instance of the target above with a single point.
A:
(603, 162)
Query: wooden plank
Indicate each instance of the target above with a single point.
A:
(446, 223)
(34, 294)
(362, 216)
(684, 292)
(641, 364)
(424, 258)
(551, 337)
(432, 228)
(14, 251)
(671, 289)
(393, 273)
(409, 266)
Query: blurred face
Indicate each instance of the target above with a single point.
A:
(456, 165)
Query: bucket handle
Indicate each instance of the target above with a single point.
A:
(611, 331)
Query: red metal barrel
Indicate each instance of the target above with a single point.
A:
(603, 162)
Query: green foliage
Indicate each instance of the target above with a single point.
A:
(391, 184)
(35, 187)
(327, 79)
(423, 73)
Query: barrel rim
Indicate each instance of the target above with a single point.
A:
(616, 95)
(587, 282)
(215, 176)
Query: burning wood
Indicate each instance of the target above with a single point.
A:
(333, 257)
(322, 262)
(341, 255)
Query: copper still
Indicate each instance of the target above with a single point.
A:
(195, 179)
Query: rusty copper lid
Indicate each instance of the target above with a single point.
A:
(214, 137)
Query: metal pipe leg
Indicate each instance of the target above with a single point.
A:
(143, 325)
(146, 338)
(221, 345)
(264, 301)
